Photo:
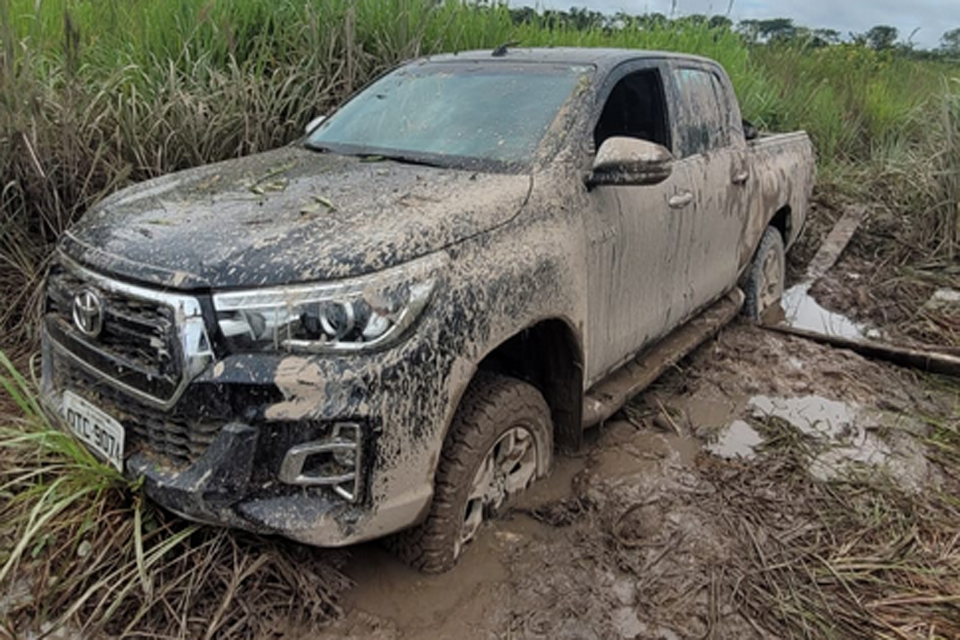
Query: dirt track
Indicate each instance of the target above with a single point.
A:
(631, 538)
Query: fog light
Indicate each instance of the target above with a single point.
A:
(333, 462)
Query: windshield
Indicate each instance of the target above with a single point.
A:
(452, 113)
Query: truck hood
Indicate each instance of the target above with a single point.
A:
(285, 216)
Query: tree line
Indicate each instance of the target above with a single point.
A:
(768, 31)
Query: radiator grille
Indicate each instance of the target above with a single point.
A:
(138, 340)
(177, 439)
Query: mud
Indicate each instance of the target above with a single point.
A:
(843, 438)
(872, 291)
(627, 539)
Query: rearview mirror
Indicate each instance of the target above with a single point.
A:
(313, 124)
(630, 162)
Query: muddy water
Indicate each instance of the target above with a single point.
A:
(842, 438)
(828, 420)
(739, 440)
(524, 578)
(482, 596)
(390, 600)
(801, 311)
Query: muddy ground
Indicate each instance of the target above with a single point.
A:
(634, 536)
(882, 282)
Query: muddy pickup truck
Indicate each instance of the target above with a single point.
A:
(386, 329)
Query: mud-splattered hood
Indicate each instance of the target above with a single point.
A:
(291, 215)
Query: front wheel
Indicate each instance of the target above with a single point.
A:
(501, 440)
(764, 283)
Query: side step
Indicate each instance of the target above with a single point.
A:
(609, 395)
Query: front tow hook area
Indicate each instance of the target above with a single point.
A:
(207, 490)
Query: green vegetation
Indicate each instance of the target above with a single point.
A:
(81, 544)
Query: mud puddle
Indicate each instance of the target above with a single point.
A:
(739, 440)
(841, 438)
(629, 538)
(392, 601)
(801, 311)
(532, 573)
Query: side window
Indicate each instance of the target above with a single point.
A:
(635, 109)
(701, 125)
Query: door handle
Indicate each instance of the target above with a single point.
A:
(741, 178)
(680, 200)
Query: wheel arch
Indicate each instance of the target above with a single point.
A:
(782, 221)
(547, 355)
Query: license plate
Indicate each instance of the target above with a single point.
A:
(101, 433)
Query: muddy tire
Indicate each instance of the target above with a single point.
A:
(501, 440)
(764, 282)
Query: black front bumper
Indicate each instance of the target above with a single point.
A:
(207, 491)
(220, 489)
(218, 465)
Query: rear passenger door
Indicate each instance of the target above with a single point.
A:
(708, 145)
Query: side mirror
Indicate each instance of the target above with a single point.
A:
(630, 162)
(313, 124)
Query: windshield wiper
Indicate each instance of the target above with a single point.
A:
(397, 157)
(370, 156)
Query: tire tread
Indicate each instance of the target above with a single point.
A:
(429, 546)
(770, 241)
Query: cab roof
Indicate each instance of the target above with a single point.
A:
(600, 58)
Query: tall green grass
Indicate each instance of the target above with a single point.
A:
(56, 503)
(95, 94)
(852, 99)
(81, 548)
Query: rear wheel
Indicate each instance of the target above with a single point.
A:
(766, 276)
(501, 440)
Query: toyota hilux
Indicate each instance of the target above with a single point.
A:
(389, 326)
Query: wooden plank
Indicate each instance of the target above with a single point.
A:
(930, 361)
(925, 358)
(835, 242)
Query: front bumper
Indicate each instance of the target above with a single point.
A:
(217, 456)
(219, 489)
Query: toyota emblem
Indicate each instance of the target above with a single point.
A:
(88, 313)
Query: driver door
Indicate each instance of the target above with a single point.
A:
(635, 234)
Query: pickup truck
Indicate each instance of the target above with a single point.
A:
(386, 328)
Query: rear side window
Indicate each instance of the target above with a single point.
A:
(700, 121)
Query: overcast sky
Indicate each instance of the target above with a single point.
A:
(932, 17)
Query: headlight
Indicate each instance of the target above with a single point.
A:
(351, 315)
